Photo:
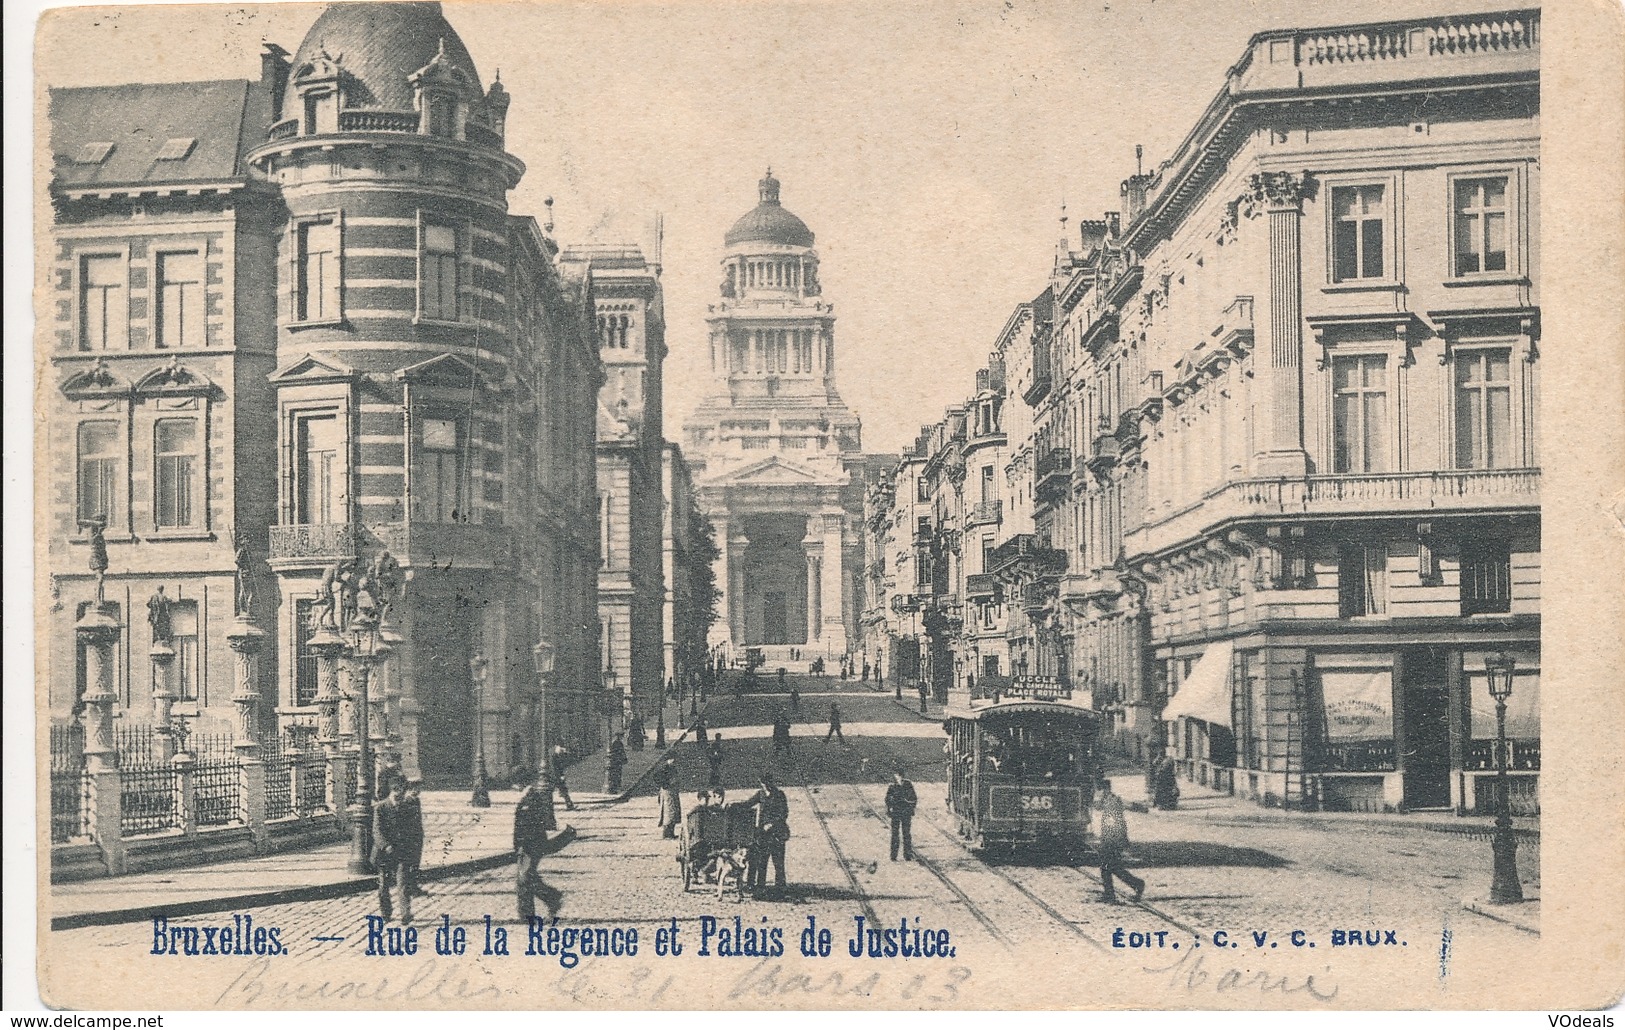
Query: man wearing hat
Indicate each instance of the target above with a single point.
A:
(772, 830)
(532, 819)
(900, 804)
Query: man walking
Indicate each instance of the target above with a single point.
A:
(391, 846)
(1113, 841)
(772, 830)
(412, 838)
(835, 724)
(532, 819)
(556, 761)
(901, 801)
(923, 697)
(713, 755)
(671, 805)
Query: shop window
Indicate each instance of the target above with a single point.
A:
(180, 300)
(1360, 413)
(1362, 580)
(438, 288)
(103, 307)
(100, 471)
(1481, 225)
(1486, 577)
(175, 479)
(1484, 408)
(1358, 214)
(1358, 716)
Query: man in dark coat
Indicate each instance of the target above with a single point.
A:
(391, 850)
(412, 842)
(772, 830)
(614, 762)
(1113, 841)
(901, 800)
(532, 819)
(713, 756)
(835, 725)
(781, 733)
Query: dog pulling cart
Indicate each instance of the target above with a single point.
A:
(713, 846)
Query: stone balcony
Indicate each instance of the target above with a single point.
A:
(984, 513)
(419, 544)
(980, 586)
(1354, 496)
(1095, 585)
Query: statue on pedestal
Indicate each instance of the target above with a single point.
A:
(96, 527)
(159, 608)
(243, 597)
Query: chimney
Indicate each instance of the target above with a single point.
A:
(1135, 188)
(274, 68)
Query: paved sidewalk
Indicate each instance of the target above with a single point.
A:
(457, 838)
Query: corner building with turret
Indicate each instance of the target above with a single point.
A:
(401, 365)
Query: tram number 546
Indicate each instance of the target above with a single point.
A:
(1037, 802)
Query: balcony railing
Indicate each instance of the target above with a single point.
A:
(1098, 584)
(378, 121)
(324, 542)
(1342, 496)
(984, 513)
(1026, 550)
(1052, 474)
(979, 585)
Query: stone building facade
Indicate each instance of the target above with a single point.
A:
(300, 317)
(776, 454)
(631, 451)
(1277, 428)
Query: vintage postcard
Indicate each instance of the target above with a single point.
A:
(721, 505)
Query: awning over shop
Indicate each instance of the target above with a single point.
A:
(1205, 694)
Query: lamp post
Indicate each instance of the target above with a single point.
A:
(364, 645)
(481, 797)
(612, 703)
(1504, 888)
(545, 654)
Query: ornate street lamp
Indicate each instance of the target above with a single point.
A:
(366, 647)
(545, 654)
(481, 798)
(1504, 888)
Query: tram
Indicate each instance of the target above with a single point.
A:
(1022, 765)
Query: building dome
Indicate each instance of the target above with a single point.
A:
(769, 222)
(377, 47)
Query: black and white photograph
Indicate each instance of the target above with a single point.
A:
(821, 505)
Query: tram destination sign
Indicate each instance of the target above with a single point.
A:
(1038, 688)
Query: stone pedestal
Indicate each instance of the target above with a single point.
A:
(98, 631)
(246, 639)
(326, 646)
(163, 697)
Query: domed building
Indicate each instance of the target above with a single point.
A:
(775, 452)
(306, 332)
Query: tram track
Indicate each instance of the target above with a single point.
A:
(1070, 925)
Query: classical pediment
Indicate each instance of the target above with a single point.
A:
(313, 368)
(440, 370)
(174, 379)
(94, 382)
(774, 471)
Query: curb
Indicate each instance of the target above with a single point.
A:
(1507, 914)
(314, 892)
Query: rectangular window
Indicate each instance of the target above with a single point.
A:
(987, 554)
(99, 467)
(1358, 713)
(321, 113)
(318, 488)
(1486, 577)
(439, 487)
(1484, 409)
(175, 448)
(180, 300)
(1481, 227)
(1362, 580)
(1357, 233)
(103, 308)
(989, 491)
(318, 272)
(1360, 413)
(438, 289)
(442, 115)
(183, 628)
(305, 669)
(604, 537)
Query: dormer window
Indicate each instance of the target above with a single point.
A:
(93, 153)
(321, 112)
(177, 149)
(441, 111)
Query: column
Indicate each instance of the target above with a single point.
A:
(98, 632)
(738, 542)
(246, 639)
(834, 635)
(1280, 196)
(722, 631)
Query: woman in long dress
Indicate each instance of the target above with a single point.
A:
(671, 805)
